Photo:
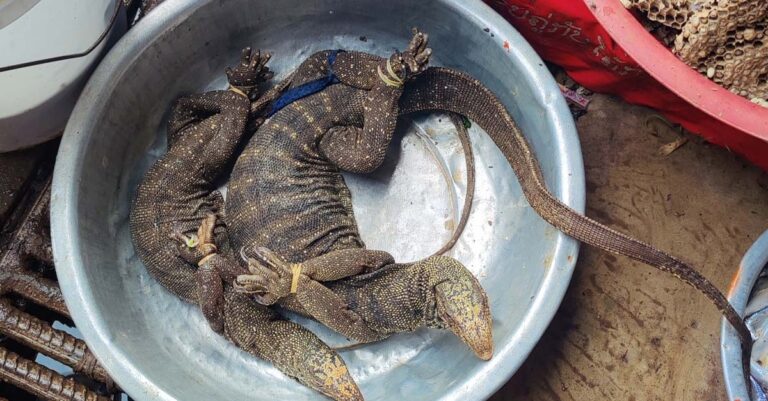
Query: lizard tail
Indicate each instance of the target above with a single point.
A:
(469, 157)
(443, 89)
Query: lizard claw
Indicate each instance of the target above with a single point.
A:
(258, 287)
(410, 62)
(251, 284)
(270, 278)
(416, 57)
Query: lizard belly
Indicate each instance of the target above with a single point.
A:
(285, 196)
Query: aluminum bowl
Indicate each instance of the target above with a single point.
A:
(752, 264)
(159, 348)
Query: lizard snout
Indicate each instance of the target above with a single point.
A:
(464, 309)
(462, 305)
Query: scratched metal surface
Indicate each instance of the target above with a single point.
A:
(159, 348)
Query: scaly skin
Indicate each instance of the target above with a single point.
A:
(288, 196)
(288, 204)
(321, 148)
(175, 232)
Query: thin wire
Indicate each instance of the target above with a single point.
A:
(103, 35)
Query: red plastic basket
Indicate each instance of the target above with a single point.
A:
(604, 48)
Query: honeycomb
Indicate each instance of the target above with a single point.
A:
(671, 13)
(722, 39)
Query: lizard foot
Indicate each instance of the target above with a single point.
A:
(195, 247)
(251, 70)
(199, 249)
(416, 57)
(271, 278)
(461, 304)
(410, 62)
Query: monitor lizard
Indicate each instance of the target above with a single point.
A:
(286, 194)
(176, 226)
(289, 198)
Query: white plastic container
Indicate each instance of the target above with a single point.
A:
(35, 102)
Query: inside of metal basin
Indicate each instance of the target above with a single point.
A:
(158, 347)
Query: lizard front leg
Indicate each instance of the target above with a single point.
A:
(213, 269)
(362, 149)
(273, 279)
(252, 70)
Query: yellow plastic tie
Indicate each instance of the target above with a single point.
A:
(392, 74)
(388, 80)
(209, 250)
(236, 90)
(392, 79)
(296, 270)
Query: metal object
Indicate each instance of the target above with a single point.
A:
(29, 245)
(754, 261)
(157, 347)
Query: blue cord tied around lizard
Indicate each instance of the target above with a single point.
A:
(308, 88)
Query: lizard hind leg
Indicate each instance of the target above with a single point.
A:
(460, 302)
(272, 278)
(292, 349)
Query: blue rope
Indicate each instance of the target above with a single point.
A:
(308, 88)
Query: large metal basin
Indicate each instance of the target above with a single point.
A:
(159, 348)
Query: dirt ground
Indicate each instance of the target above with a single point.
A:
(625, 331)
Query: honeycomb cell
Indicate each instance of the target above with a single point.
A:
(722, 39)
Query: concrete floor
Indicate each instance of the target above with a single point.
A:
(625, 331)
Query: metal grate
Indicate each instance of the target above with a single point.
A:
(41, 358)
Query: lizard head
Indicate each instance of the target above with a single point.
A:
(461, 304)
(319, 367)
(336, 382)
